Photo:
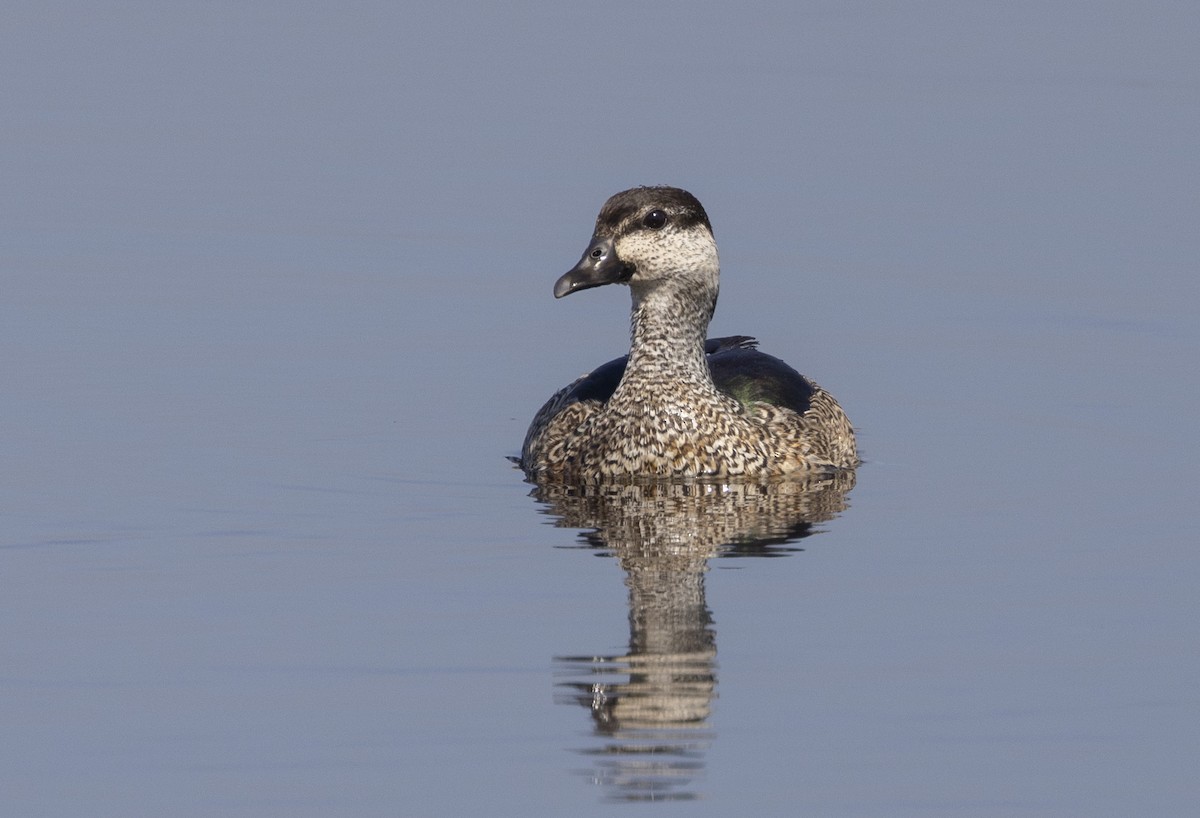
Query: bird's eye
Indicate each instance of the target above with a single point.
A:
(655, 219)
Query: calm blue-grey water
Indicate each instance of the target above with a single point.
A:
(275, 307)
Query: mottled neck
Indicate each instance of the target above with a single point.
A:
(668, 328)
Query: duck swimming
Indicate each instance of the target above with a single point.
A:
(678, 405)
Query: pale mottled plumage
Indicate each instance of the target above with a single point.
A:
(675, 407)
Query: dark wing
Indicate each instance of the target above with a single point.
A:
(748, 375)
(714, 345)
(600, 383)
(738, 369)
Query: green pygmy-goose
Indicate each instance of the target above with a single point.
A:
(678, 405)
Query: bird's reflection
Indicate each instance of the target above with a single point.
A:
(650, 706)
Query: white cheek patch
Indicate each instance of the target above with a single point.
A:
(656, 254)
